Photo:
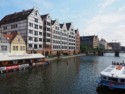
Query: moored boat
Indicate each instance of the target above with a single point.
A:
(9, 62)
(113, 77)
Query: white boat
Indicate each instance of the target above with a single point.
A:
(113, 76)
(10, 61)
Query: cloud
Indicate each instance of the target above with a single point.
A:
(44, 3)
(106, 3)
(110, 26)
(122, 8)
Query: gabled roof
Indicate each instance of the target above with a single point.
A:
(44, 16)
(10, 37)
(17, 16)
(53, 21)
(68, 25)
(76, 31)
(61, 25)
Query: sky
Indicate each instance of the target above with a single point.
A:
(105, 18)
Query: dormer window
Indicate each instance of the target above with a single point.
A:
(36, 13)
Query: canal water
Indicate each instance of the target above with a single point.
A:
(74, 75)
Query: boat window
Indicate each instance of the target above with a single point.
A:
(113, 79)
(122, 80)
(104, 77)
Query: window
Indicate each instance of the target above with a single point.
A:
(40, 33)
(31, 31)
(36, 26)
(40, 39)
(36, 33)
(48, 23)
(113, 79)
(30, 38)
(40, 46)
(35, 46)
(36, 20)
(23, 47)
(30, 45)
(5, 28)
(16, 48)
(40, 27)
(14, 26)
(35, 39)
(36, 13)
(48, 35)
(31, 24)
(4, 48)
(48, 40)
(48, 29)
(122, 80)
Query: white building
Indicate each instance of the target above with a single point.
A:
(47, 34)
(103, 44)
(64, 37)
(71, 36)
(30, 26)
(56, 36)
(4, 44)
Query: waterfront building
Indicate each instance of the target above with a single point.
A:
(77, 40)
(47, 34)
(17, 43)
(56, 37)
(71, 37)
(115, 45)
(90, 41)
(103, 44)
(40, 33)
(30, 26)
(64, 38)
(4, 44)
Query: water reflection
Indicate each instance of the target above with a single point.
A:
(63, 76)
(105, 90)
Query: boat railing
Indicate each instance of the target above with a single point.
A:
(118, 63)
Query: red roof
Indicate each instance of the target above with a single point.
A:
(10, 37)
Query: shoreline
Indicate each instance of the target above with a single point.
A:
(61, 57)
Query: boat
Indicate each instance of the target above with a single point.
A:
(113, 77)
(10, 62)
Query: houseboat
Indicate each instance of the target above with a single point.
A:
(113, 77)
(10, 62)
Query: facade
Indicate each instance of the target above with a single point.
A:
(90, 41)
(17, 43)
(71, 38)
(40, 33)
(64, 38)
(103, 44)
(47, 34)
(4, 44)
(115, 45)
(77, 40)
(56, 37)
(30, 26)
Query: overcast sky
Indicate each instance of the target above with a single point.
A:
(105, 18)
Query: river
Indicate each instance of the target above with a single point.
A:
(74, 75)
